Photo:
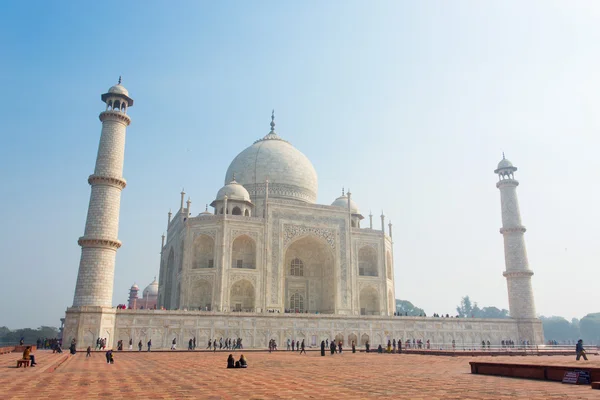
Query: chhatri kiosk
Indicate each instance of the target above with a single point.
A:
(268, 262)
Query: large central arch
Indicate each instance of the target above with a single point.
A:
(310, 275)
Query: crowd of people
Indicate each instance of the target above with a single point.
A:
(228, 344)
(47, 343)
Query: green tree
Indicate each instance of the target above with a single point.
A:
(590, 328)
(558, 328)
(406, 307)
(466, 308)
(29, 335)
(492, 312)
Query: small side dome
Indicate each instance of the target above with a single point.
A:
(205, 212)
(135, 286)
(119, 89)
(504, 164)
(151, 289)
(233, 191)
(342, 202)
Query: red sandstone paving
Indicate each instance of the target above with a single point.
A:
(280, 375)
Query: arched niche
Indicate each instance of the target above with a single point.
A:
(201, 295)
(170, 273)
(352, 338)
(364, 339)
(243, 252)
(242, 296)
(297, 303)
(367, 261)
(369, 301)
(204, 252)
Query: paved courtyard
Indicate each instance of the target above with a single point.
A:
(280, 375)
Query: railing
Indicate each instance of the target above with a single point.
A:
(479, 347)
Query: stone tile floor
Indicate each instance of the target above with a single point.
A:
(280, 375)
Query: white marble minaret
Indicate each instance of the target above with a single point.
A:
(99, 242)
(518, 275)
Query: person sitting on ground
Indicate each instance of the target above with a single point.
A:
(380, 349)
(230, 361)
(242, 361)
(28, 356)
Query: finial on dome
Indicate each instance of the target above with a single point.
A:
(273, 120)
(504, 158)
(233, 178)
(206, 208)
(119, 80)
(343, 194)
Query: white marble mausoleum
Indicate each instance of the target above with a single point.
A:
(268, 262)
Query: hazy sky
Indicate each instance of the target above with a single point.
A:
(410, 104)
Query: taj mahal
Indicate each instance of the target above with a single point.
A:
(268, 262)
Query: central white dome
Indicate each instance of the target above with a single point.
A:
(290, 173)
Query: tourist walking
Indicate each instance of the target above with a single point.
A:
(288, 344)
(322, 348)
(353, 347)
(140, 345)
(302, 347)
(332, 347)
(174, 344)
(149, 344)
(88, 353)
(580, 350)
(340, 346)
(190, 344)
(209, 344)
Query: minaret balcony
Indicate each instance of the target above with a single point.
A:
(518, 274)
(513, 229)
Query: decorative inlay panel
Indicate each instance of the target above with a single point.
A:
(292, 231)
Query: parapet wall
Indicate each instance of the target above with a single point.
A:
(256, 329)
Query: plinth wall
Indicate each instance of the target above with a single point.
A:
(256, 329)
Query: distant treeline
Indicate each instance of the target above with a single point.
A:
(561, 330)
(29, 335)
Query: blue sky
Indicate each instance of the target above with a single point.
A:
(410, 104)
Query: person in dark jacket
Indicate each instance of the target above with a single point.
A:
(332, 347)
(230, 361)
(322, 347)
(580, 350)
